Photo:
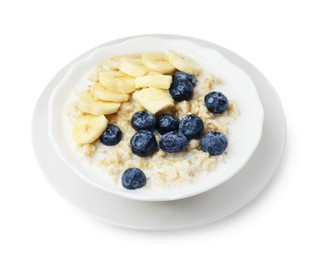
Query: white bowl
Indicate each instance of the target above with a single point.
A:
(245, 130)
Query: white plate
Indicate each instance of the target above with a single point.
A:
(201, 209)
(245, 130)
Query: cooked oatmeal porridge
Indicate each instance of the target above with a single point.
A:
(140, 74)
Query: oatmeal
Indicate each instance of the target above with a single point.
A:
(123, 86)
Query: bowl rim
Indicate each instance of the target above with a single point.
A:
(136, 196)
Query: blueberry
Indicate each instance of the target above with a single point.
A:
(173, 142)
(181, 90)
(167, 123)
(144, 120)
(216, 102)
(182, 86)
(184, 76)
(143, 143)
(215, 143)
(111, 136)
(191, 126)
(133, 178)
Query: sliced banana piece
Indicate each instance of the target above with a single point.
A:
(88, 104)
(153, 99)
(183, 63)
(157, 61)
(88, 128)
(117, 81)
(132, 66)
(113, 63)
(101, 93)
(154, 81)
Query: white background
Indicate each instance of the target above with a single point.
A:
(281, 38)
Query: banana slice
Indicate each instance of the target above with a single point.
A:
(154, 81)
(101, 93)
(183, 63)
(157, 61)
(132, 66)
(117, 81)
(87, 104)
(153, 99)
(88, 128)
(113, 63)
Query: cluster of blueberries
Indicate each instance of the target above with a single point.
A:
(175, 134)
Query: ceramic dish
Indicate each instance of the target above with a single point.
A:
(245, 131)
(198, 210)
